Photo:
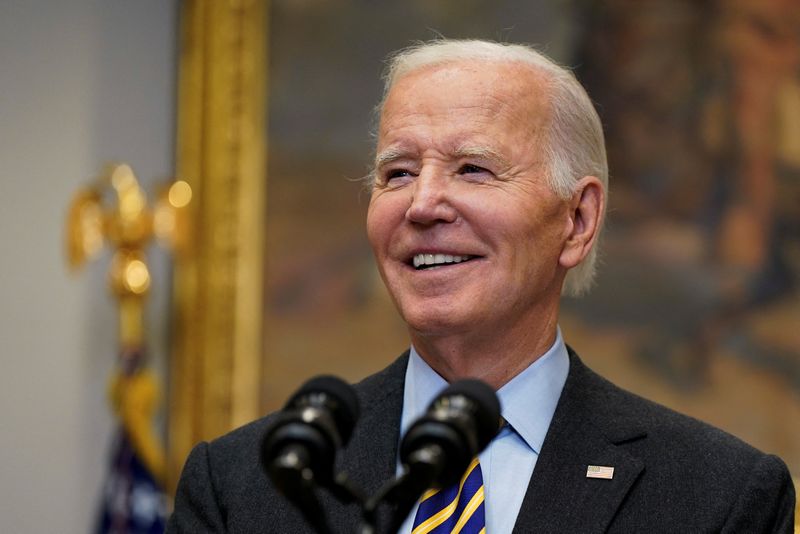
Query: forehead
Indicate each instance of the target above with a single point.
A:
(484, 93)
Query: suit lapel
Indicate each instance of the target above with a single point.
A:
(372, 453)
(583, 432)
(371, 457)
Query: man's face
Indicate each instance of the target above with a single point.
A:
(462, 187)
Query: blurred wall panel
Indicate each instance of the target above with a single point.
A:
(83, 83)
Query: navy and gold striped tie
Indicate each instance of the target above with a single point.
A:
(453, 510)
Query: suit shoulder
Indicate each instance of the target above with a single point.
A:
(703, 478)
(634, 415)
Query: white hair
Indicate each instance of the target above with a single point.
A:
(574, 143)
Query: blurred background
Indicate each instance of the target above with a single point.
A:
(83, 83)
(696, 306)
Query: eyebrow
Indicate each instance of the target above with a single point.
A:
(481, 152)
(462, 151)
(391, 155)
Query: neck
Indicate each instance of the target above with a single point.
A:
(494, 356)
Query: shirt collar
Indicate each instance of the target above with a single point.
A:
(527, 401)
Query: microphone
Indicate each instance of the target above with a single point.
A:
(458, 424)
(439, 446)
(299, 448)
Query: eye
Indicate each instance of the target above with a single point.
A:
(396, 173)
(396, 176)
(469, 168)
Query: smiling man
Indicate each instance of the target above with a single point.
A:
(471, 236)
(488, 197)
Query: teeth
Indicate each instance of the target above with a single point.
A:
(437, 259)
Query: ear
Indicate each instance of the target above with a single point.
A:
(586, 215)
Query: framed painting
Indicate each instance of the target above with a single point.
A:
(696, 303)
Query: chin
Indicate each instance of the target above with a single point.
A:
(427, 324)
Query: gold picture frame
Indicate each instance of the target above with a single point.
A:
(221, 145)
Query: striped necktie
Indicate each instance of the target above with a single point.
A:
(453, 510)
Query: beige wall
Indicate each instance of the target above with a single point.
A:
(81, 83)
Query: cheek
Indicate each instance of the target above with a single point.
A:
(383, 216)
(534, 245)
(373, 229)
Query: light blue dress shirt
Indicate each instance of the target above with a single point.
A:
(527, 402)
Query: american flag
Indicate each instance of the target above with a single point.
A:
(132, 500)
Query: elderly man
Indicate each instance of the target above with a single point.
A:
(488, 197)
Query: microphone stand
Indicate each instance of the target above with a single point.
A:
(298, 486)
(423, 467)
(401, 492)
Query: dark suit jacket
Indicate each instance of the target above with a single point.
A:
(671, 473)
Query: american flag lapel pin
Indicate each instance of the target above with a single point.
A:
(600, 471)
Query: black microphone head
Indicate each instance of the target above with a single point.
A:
(335, 395)
(302, 440)
(485, 406)
(458, 424)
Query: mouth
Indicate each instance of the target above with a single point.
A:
(435, 261)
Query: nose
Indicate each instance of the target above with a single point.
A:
(431, 200)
